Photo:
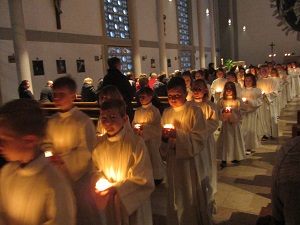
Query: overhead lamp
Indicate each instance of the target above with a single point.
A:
(207, 12)
(229, 22)
(244, 28)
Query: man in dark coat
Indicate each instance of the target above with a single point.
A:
(46, 93)
(116, 78)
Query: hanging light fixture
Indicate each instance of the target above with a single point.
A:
(244, 28)
(229, 22)
(207, 12)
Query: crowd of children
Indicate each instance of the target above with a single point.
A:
(106, 175)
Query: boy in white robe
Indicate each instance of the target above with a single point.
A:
(121, 159)
(33, 191)
(146, 123)
(71, 137)
(187, 203)
(267, 111)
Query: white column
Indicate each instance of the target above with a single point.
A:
(212, 32)
(200, 34)
(161, 36)
(231, 29)
(19, 40)
(134, 35)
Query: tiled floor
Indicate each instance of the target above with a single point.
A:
(243, 190)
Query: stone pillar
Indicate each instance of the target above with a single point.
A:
(20, 41)
(200, 33)
(161, 36)
(134, 35)
(212, 32)
(231, 30)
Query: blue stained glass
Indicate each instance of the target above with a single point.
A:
(122, 35)
(115, 9)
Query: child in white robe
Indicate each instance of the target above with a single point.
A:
(230, 143)
(268, 123)
(210, 112)
(187, 203)
(217, 85)
(71, 137)
(110, 92)
(121, 159)
(33, 191)
(186, 75)
(252, 99)
(146, 123)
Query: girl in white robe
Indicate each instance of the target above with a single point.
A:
(122, 159)
(230, 143)
(187, 204)
(209, 110)
(252, 99)
(217, 85)
(148, 118)
(188, 82)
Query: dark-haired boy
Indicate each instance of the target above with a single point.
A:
(71, 137)
(121, 158)
(182, 145)
(33, 191)
(148, 117)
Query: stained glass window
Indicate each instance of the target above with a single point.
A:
(116, 16)
(185, 60)
(183, 21)
(124, 54)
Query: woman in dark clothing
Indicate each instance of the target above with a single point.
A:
(24, 91)
(88, 92)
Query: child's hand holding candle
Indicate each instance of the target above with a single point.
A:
(228, 109)
(104, 190)
(48, 153)
(138, 128)
(218, 90)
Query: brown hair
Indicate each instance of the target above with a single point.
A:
(114, 103)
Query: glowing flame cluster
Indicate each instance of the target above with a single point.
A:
(169, 126)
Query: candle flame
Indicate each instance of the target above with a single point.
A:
(48, 153)
(169, 126)
(137, 126)
(103, 184)
(262, 92)
(219, 90)
(244, 99)
(228, 108)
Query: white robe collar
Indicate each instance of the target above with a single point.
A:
(34, 167)
(180, 108)
(117, 137)
(68, 113)
(147, 106)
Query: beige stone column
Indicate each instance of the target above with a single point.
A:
(161, 36)
(212, 31)
(20, 40)
(134, 36)
(200, 33)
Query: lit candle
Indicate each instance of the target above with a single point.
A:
(228, 109)
(262, 92)
(244, 99)
(103, 184)
(219, 90)
(48, 153)
(169, 126)
(138, 127)
(100, 135)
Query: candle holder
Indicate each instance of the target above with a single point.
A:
(168, 131)
(228, 109)
(218, 90)
(48, 153)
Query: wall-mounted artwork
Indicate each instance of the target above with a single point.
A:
(80, 66)
(38, 67)
(169, 62)
(152, 63)
(61, 66)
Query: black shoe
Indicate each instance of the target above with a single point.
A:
(223, 164)
(264, 138)
(235, 161)
(248, 152)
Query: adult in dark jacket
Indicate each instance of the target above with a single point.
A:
(116, 78)
(88, 92)
(160, 86)
(46, 93)
(24, 91)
